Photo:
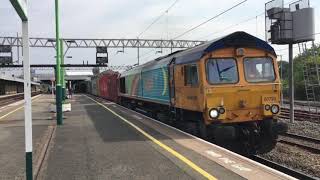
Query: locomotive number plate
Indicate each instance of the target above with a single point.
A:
(269, 99)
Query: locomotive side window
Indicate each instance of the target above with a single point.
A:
(222, 71)
(191, 75)
(259, 69)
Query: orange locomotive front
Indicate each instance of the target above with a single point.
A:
(228, 87)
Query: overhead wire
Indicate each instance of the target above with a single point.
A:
(158, 18)
(144, 54)
(244, 21)
(216, 16)
(193, 28)
(147, 57)
(147, 53)
(231, 26)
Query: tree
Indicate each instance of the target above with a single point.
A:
(306, 58)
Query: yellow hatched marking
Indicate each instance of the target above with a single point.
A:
(165, 147)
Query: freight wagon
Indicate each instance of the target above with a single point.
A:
(108, 85)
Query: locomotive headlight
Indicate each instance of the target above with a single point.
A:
(267, 107)
(222, 110)
(214, 113)
(275, 109)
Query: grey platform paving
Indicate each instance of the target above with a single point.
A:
(93, 143)
(12, 152)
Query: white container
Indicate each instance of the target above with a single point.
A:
(65, 107)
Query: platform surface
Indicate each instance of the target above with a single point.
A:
(12, 148)
(102, 140)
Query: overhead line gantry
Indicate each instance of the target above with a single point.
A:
(109, 43)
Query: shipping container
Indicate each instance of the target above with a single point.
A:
(108, 85)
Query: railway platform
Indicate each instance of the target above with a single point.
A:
(102, 140)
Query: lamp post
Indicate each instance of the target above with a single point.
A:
(63, 83)
(58, 70)
(62, 72)
(291, 83)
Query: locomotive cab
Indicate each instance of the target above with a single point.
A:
(241, 87)
(234, 93)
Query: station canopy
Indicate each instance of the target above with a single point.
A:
(69, 75)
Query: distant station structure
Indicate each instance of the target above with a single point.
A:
(289, 25)
(69, 76)
(5, 54)
(13, 85)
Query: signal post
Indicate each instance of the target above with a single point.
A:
(289, 25)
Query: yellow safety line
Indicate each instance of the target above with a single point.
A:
(167, 148)
(1, 118)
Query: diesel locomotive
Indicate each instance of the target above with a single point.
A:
(228, 88)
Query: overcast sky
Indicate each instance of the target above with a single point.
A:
(127, 18)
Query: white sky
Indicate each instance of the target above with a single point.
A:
(127, 18)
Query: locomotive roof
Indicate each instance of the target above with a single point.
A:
(236, 39)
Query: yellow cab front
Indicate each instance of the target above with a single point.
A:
(240, 85)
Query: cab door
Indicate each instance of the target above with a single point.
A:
(187, 86)
(171, 82)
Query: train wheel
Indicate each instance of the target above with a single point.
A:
(130, 106)
(163, 118)
(153, 115)
(202, 130)
(268, 138)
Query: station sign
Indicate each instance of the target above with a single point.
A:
(5, 49)
(5, 60)
(102, 60)
(102, 50)
(21, 7)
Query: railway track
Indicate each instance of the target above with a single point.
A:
(305, 138)
(282, 168)
(300, 115)
(13, 98)
(303, 103)
(10, 99)
(308, 148)
(297, 142)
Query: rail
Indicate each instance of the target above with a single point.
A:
(300, 115)
(8, 99)
(282, 168)
(308, 148)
